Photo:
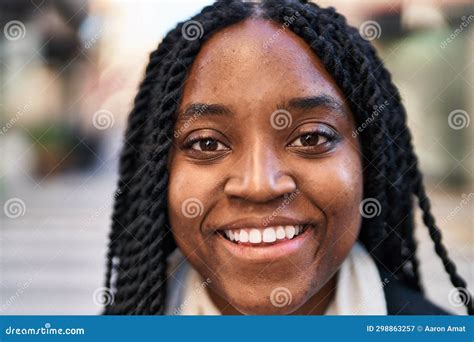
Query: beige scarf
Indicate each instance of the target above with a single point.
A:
(359, 288)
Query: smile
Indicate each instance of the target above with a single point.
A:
(266, 244)
(263, 236)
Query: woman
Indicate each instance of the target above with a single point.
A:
(268, 169)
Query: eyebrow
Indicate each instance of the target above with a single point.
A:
(309, 102)
(312, 102)
(204, 109)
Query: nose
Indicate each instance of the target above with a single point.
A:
(259, 176)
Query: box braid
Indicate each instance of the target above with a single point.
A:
(141, 239)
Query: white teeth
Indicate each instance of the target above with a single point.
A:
(290, 231)
(280, 233)
(243, 236)
(255, 236)
(269, 235)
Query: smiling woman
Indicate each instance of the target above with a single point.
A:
(246, 163)
(241, 175)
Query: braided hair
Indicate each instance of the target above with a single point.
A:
(141, 239)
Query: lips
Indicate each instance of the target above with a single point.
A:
(263, 236)
(249, 240)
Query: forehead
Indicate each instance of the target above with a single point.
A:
(256, 61)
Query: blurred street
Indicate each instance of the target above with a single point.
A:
(55, 253)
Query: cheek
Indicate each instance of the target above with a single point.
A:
(344, 190)
(336, 187)
(188, 203)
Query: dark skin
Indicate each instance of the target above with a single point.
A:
(231, 158)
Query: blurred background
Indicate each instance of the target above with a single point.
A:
(69, 70)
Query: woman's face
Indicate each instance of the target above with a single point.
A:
(263, 152)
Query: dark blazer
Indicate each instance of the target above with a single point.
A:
(403, 300)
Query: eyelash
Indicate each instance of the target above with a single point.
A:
(191, 141)
(327, 133)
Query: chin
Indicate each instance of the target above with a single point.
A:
(267, 310)
(282, 303)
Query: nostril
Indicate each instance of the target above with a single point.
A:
(260, 189)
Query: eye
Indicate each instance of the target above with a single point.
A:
(315, 140)
(309, 139)
(207, 145)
